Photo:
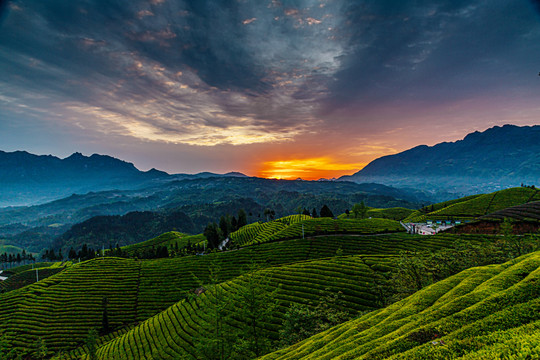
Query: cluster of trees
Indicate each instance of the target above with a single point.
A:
(154, 252)
(324, 212)
(359, 211)
(302, 321)
(216, 233)
(16, 258)
(252, 304)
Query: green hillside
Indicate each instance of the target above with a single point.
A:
(173, 333)
(395, 213)
(490, 312)
(298, 225)
(27, 277)
(170, 240)
(472, 207)
(529, 212)
(62, 308)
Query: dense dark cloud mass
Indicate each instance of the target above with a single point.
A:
(106, 74)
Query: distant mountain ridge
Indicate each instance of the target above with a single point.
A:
(27, 179)
(497, 158)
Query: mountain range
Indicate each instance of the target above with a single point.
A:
(497, 158)
(28, 179)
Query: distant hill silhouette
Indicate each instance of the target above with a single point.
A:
(496, 158)
(27, 179)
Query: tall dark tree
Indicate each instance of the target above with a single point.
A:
(242, 218)
(326, 212)
(224, 226)
(305, 212)
(314, 213)
(212, 234)
(234, 224)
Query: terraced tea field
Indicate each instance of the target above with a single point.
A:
(172, 333)
(276, 230)
(490, 312)
(62, 308)
(479, 205)
(169, 240)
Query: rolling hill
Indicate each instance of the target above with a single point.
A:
(491, 312)
(62, 308)
(473, 207)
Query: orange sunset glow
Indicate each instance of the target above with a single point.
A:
(307, 169)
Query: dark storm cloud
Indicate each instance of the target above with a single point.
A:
(172, 65)
(435, 51)
(238, 72)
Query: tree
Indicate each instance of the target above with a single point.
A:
(224, 226)
(360, 210)
(256, 305)
(305, 212)
(326, 212)
(267, 213)
(234, 224)
(242, 218)
(314, 213)
(91, 343)
(212, 344)
(302, 321)
(212, 234)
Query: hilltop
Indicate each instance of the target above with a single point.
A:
(496, 158)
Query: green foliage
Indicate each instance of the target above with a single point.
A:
(257, 309)
(302, 321)
(359, 210)
(41, 350)
(91, 344)
(213, 234)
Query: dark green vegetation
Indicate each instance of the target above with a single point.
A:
(122, 230)
(490, 312)
(397, 213)
(495, 159)
(202, 200)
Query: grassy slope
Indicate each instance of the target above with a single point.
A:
(276, 230)
(529, 212)
(63, 307)
(395, 213)
(168, 239)
(472, 207)
(490, 312)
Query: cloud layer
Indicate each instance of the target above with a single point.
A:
(205, 73)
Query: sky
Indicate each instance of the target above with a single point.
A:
(284, 89)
